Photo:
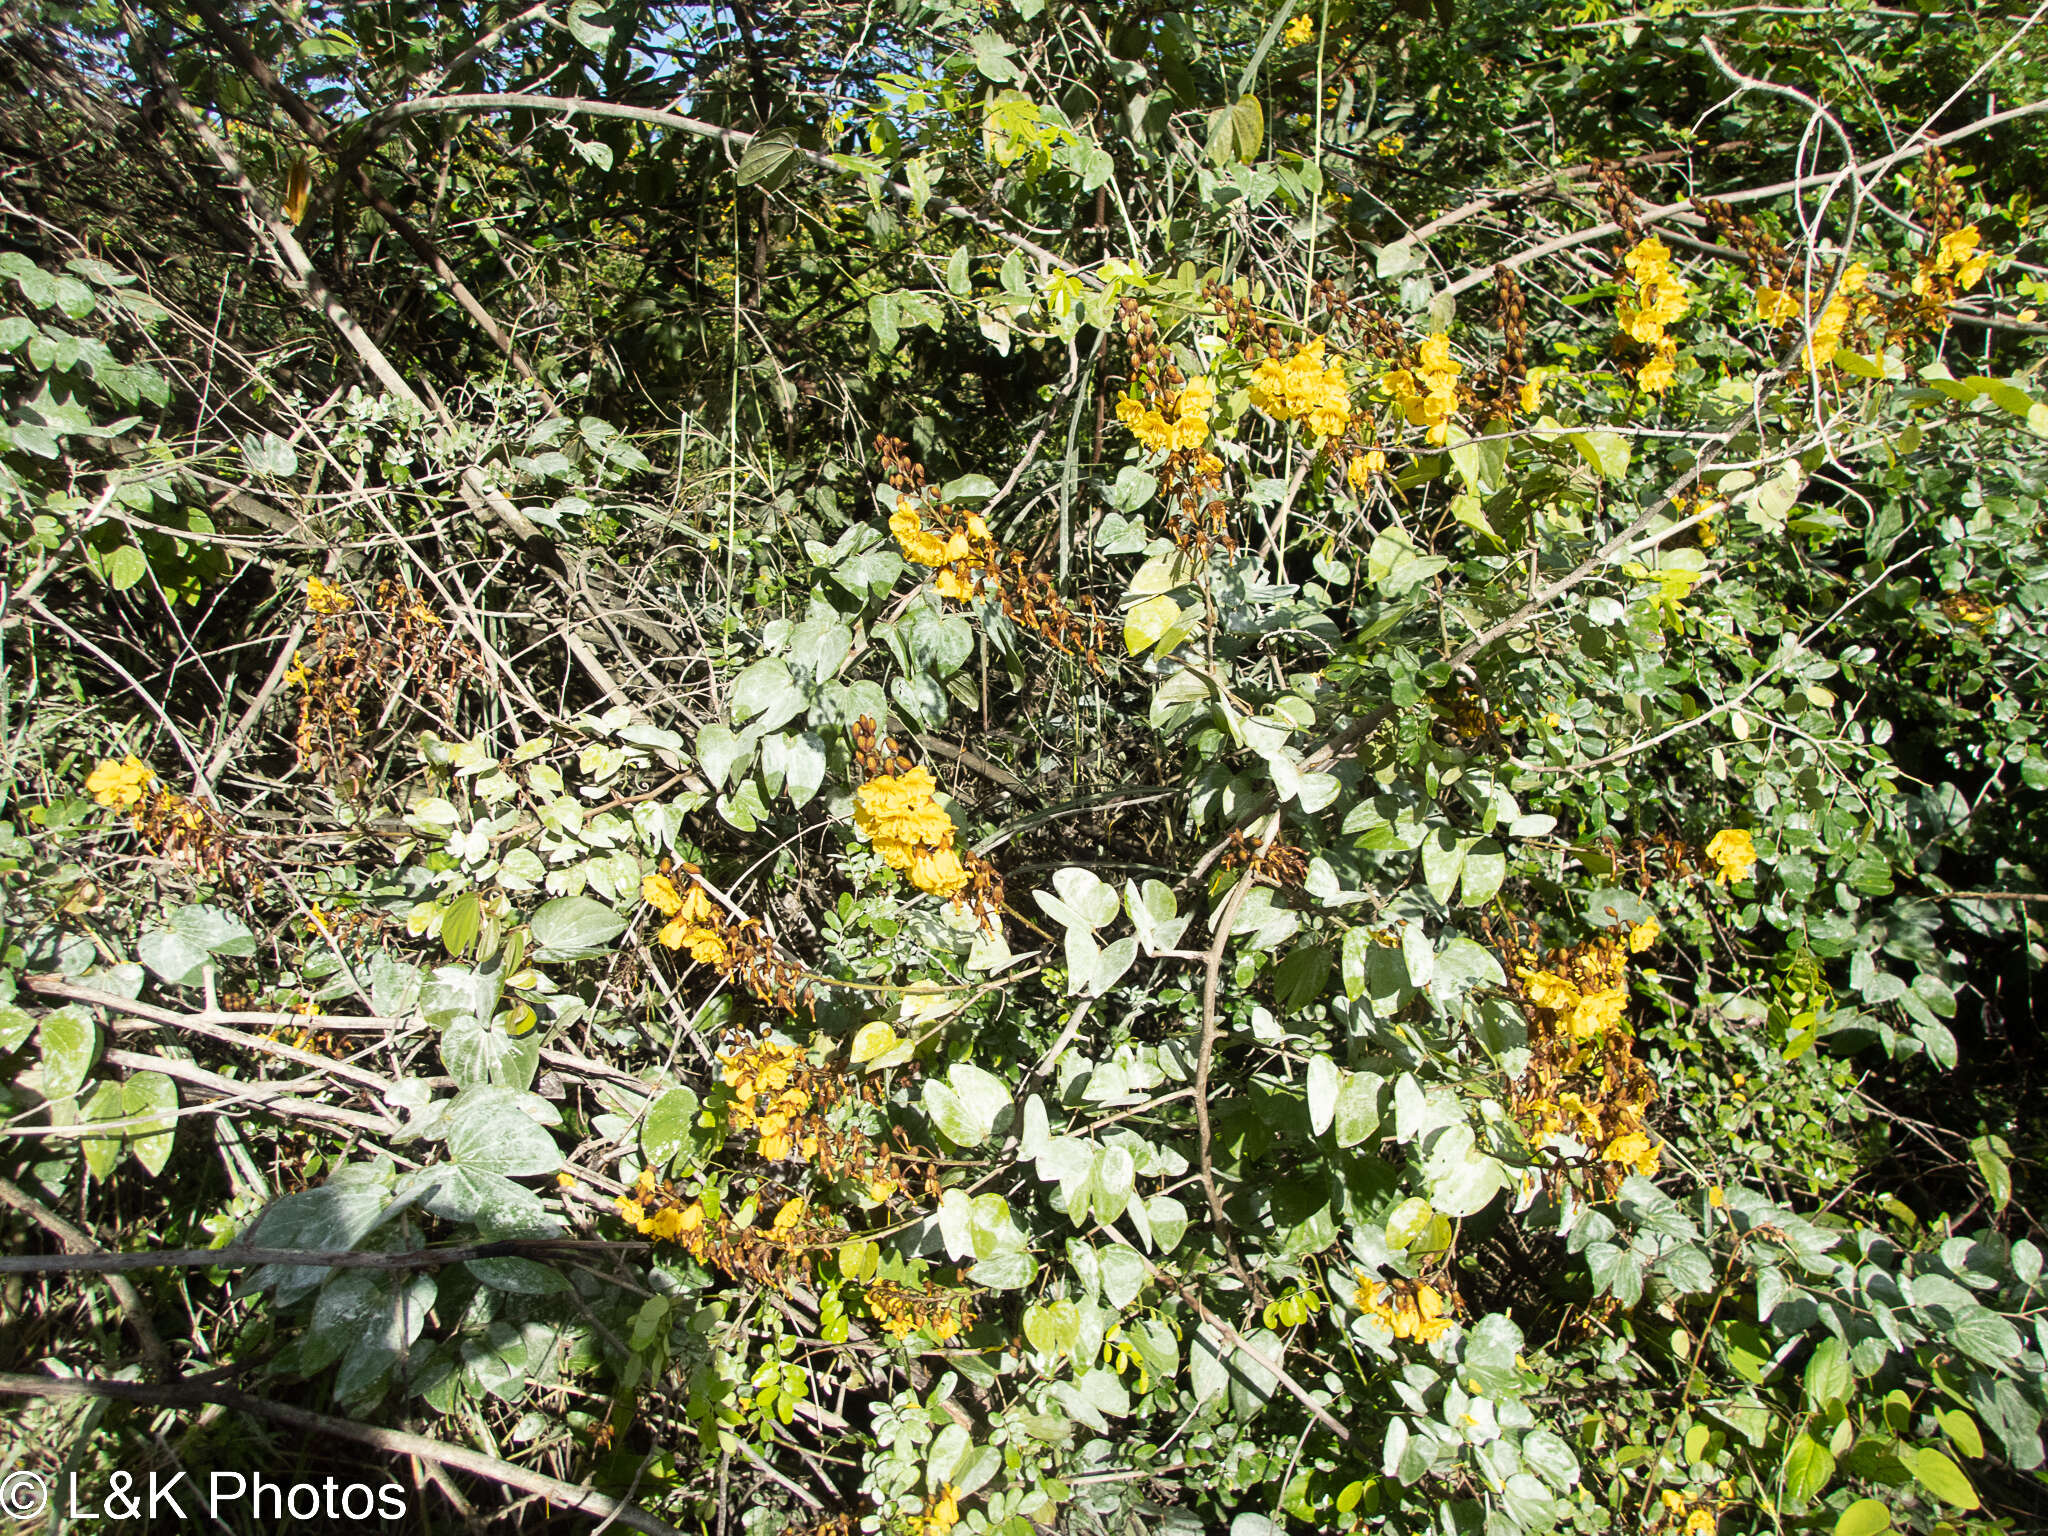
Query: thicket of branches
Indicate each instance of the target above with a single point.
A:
(1023, 767)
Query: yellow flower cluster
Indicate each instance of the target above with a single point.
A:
(693, 922)
(646, 1213)
(1428, 393)
(1188, 429)
(902, 1311)
(1780, 306)
(1591, 1002)
(1699, 1518)
(120, 786)
(1301, 30)
(1584, 1080)
(954, 556)
(769, 1100)
(941, 1514)
(1956, 254)
(1734, 855)
(1409, 1312)
(322, 597)
(903, 819)
(1363, 467)
(925, 547)
(1659, 300)
(1305, 388)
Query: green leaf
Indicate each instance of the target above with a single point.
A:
(1248, 127)
(102, 1153)
(462, 923)
(1461, 1179)
(1866, 1517)
(769, 161)
(956, 1122)
(1942, 1478)
(575, 924)
(1962, 1432)
(214, 929)
(1325, 1083)
(125, 566)
(176, 960)
(1808, 1469)
(1828, 1377)
(1358, 1108)
(1486, 866)
(489, 1132)
(670, 1129)
(721, 752)
(767, 695)
(884, 310)
(70, 1040)
(151, 1096)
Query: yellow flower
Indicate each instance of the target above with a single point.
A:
(1198, 397)
(1700, 1523)
(1428, 395)
(1634, 1151)
(1776, 306)
(1733, 853)
(659, 892)
(1658, 374)
(120, 785)
(920, 546)
(631, 1211)
(1300, 30)
(1305, 388)
(1672, 1500)
(667, 1224)
(950, 583)
(937, 871)
(1546, 989)
(902, 808)
(943, 1513)
(1642, 935)
(706, 946)
(787, 1218)
(322, 598)
(1597, 1013)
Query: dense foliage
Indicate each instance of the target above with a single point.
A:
(907, 766)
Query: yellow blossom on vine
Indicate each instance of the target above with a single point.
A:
(1301, 30)
(660, 892)
(324, 598)
(1186, 430)
(121, 785)
(901, 816)
(1428, 393)
(1408, 1313)
(1633, 1151)
(788, 1217)
(941, 1514)
(1659, 373)
(1660, 293)
(1305, 388)
(1834, 317)
(1733, 854)
(921, 545)
(1642, 935)
(1956, 252)
(1363, 467)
